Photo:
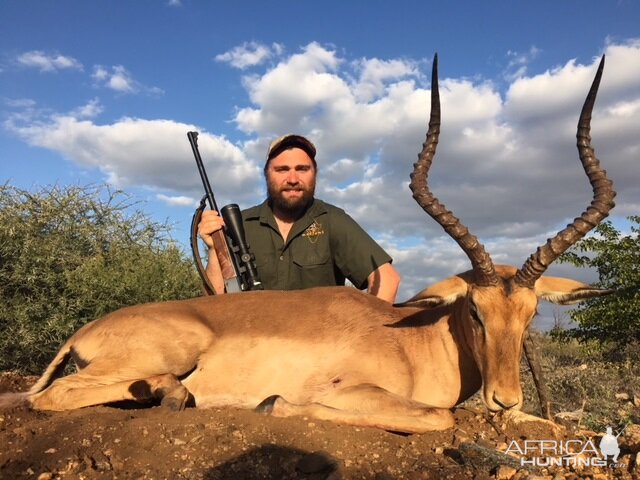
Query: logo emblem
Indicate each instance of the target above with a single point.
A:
(313, 231)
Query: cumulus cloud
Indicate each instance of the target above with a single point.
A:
(119, 79)
(250, 54)
(48, 62)
(150, 153)
(506, 162)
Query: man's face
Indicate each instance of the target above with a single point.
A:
(291, 181)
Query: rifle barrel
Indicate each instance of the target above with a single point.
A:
(193, 140)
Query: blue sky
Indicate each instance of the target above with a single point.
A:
(106, 91)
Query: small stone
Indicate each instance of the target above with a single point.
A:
(631, 437)
(178, 441)
(45, 476)
(51, 450)
(438, 450)
(505, 472)
(600, 476)
(623, 397)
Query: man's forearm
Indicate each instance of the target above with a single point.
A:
(214, 272)
(383, 282)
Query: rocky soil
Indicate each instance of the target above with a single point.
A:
(123, 442)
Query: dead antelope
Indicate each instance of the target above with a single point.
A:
(336, 353)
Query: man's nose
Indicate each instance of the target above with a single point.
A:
(293, 177)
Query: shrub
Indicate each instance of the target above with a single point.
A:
(71, 254)
(614, 320)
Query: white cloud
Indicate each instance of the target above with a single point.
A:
(519, 63)
(250, 54)
(47, 62)
(177, 200)
(119, 79)
(375, 73)
(154, 154)
(90, 110)
(506, 165)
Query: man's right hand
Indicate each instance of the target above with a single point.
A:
(210, 222)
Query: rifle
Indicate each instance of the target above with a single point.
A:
(236, 260)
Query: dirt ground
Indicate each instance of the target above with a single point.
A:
(123, 442)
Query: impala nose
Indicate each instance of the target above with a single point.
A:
(506, 401)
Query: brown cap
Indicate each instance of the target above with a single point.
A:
(292, 141)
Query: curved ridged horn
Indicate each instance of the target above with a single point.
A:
(602, 202)
(480, 260)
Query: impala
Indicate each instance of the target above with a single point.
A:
(336, 353)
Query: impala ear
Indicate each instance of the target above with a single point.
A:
(442, 293)
(564, 291)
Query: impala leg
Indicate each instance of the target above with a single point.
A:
(81, 390)
(366, 406)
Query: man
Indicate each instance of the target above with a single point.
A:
(300, 241)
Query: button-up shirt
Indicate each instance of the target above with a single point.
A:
(324, 247)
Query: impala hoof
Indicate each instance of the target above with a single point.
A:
(174, 404)
(267, 405)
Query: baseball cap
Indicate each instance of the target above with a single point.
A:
(291, 141)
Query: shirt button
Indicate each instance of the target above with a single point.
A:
(281, 257)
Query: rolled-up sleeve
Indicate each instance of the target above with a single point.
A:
(355, 253)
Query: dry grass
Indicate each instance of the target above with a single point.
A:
(600, 386)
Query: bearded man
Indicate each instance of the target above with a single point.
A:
(300, 241)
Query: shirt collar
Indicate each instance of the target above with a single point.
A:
(264, 213)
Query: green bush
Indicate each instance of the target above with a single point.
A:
(614, 320)
(71, 254)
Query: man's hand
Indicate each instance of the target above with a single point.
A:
(210, 222)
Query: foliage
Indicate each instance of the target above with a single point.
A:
(612, 320)
(69, 255)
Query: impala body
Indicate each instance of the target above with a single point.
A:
(335, 353)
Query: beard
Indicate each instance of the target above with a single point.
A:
(291, 206)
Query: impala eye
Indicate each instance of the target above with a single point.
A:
(473, 311)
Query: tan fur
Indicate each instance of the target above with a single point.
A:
(332, 353)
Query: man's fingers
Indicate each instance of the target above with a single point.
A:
(209, 223)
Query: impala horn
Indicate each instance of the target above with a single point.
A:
(480, 260)
(602, 202)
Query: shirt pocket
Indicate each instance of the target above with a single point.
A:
(307, 255)
(311, 265)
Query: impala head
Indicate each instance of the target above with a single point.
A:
(494, 305)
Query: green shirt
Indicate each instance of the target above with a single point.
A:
(324, 247)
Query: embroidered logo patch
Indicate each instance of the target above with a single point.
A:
(313, 231)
